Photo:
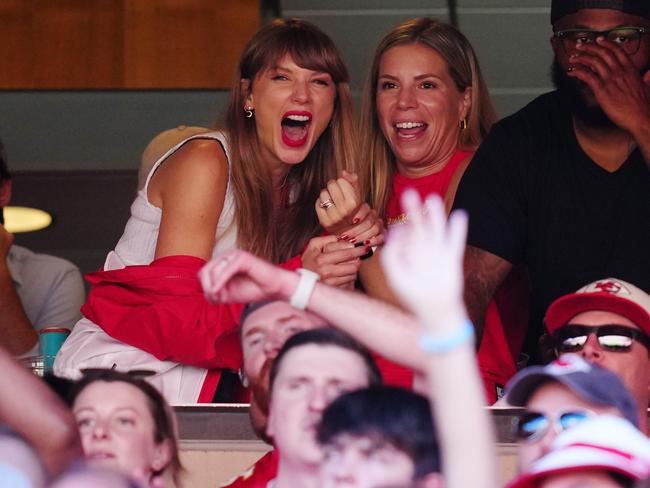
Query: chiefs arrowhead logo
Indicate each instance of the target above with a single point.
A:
(613, 287)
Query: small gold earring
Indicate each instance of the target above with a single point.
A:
(462, 124)
(248, 111)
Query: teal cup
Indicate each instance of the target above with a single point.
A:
(50, 341)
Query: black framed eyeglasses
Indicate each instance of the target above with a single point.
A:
(611, 337)
(629, 38)
(532, 426)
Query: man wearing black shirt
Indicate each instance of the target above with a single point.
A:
(563, 185)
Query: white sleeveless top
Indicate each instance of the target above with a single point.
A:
(138, 242)
(88, 346)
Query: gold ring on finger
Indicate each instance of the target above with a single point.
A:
(326, 204)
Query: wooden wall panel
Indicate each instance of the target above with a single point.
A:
(16, 51)
(78, 44)
(190, 43)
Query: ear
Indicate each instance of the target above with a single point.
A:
(465, 103)
(245, 85)
(5, 193)
(162, 455)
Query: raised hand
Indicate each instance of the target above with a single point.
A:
(423, 259)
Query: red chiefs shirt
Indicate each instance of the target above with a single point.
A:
(507, 314)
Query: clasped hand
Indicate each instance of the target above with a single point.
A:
(341, 212)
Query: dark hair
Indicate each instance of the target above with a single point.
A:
(4, 169)
(325, 336)
(395, 415)
(60, 385)
(161, 413)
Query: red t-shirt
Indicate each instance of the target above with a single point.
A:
(436, 183)
(507, 314)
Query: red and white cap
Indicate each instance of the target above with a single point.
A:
(602, 443)
(610, 295)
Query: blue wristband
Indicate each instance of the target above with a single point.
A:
(449, 342)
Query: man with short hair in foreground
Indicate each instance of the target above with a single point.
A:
(311, 369)
(379, 436)
(264, 328)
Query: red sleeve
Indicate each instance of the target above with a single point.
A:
(292, 264)
(160, 308)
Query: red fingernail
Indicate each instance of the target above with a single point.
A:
(366, 242)
(355, 220)
(352, 241)
(345, 237)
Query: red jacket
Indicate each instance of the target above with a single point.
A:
(160, 308)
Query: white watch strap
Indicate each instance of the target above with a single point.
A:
(306, 285)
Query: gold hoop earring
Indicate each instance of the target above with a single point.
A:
(462, 124)
(248, 111)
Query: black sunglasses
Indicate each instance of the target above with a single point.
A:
(611, 337)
